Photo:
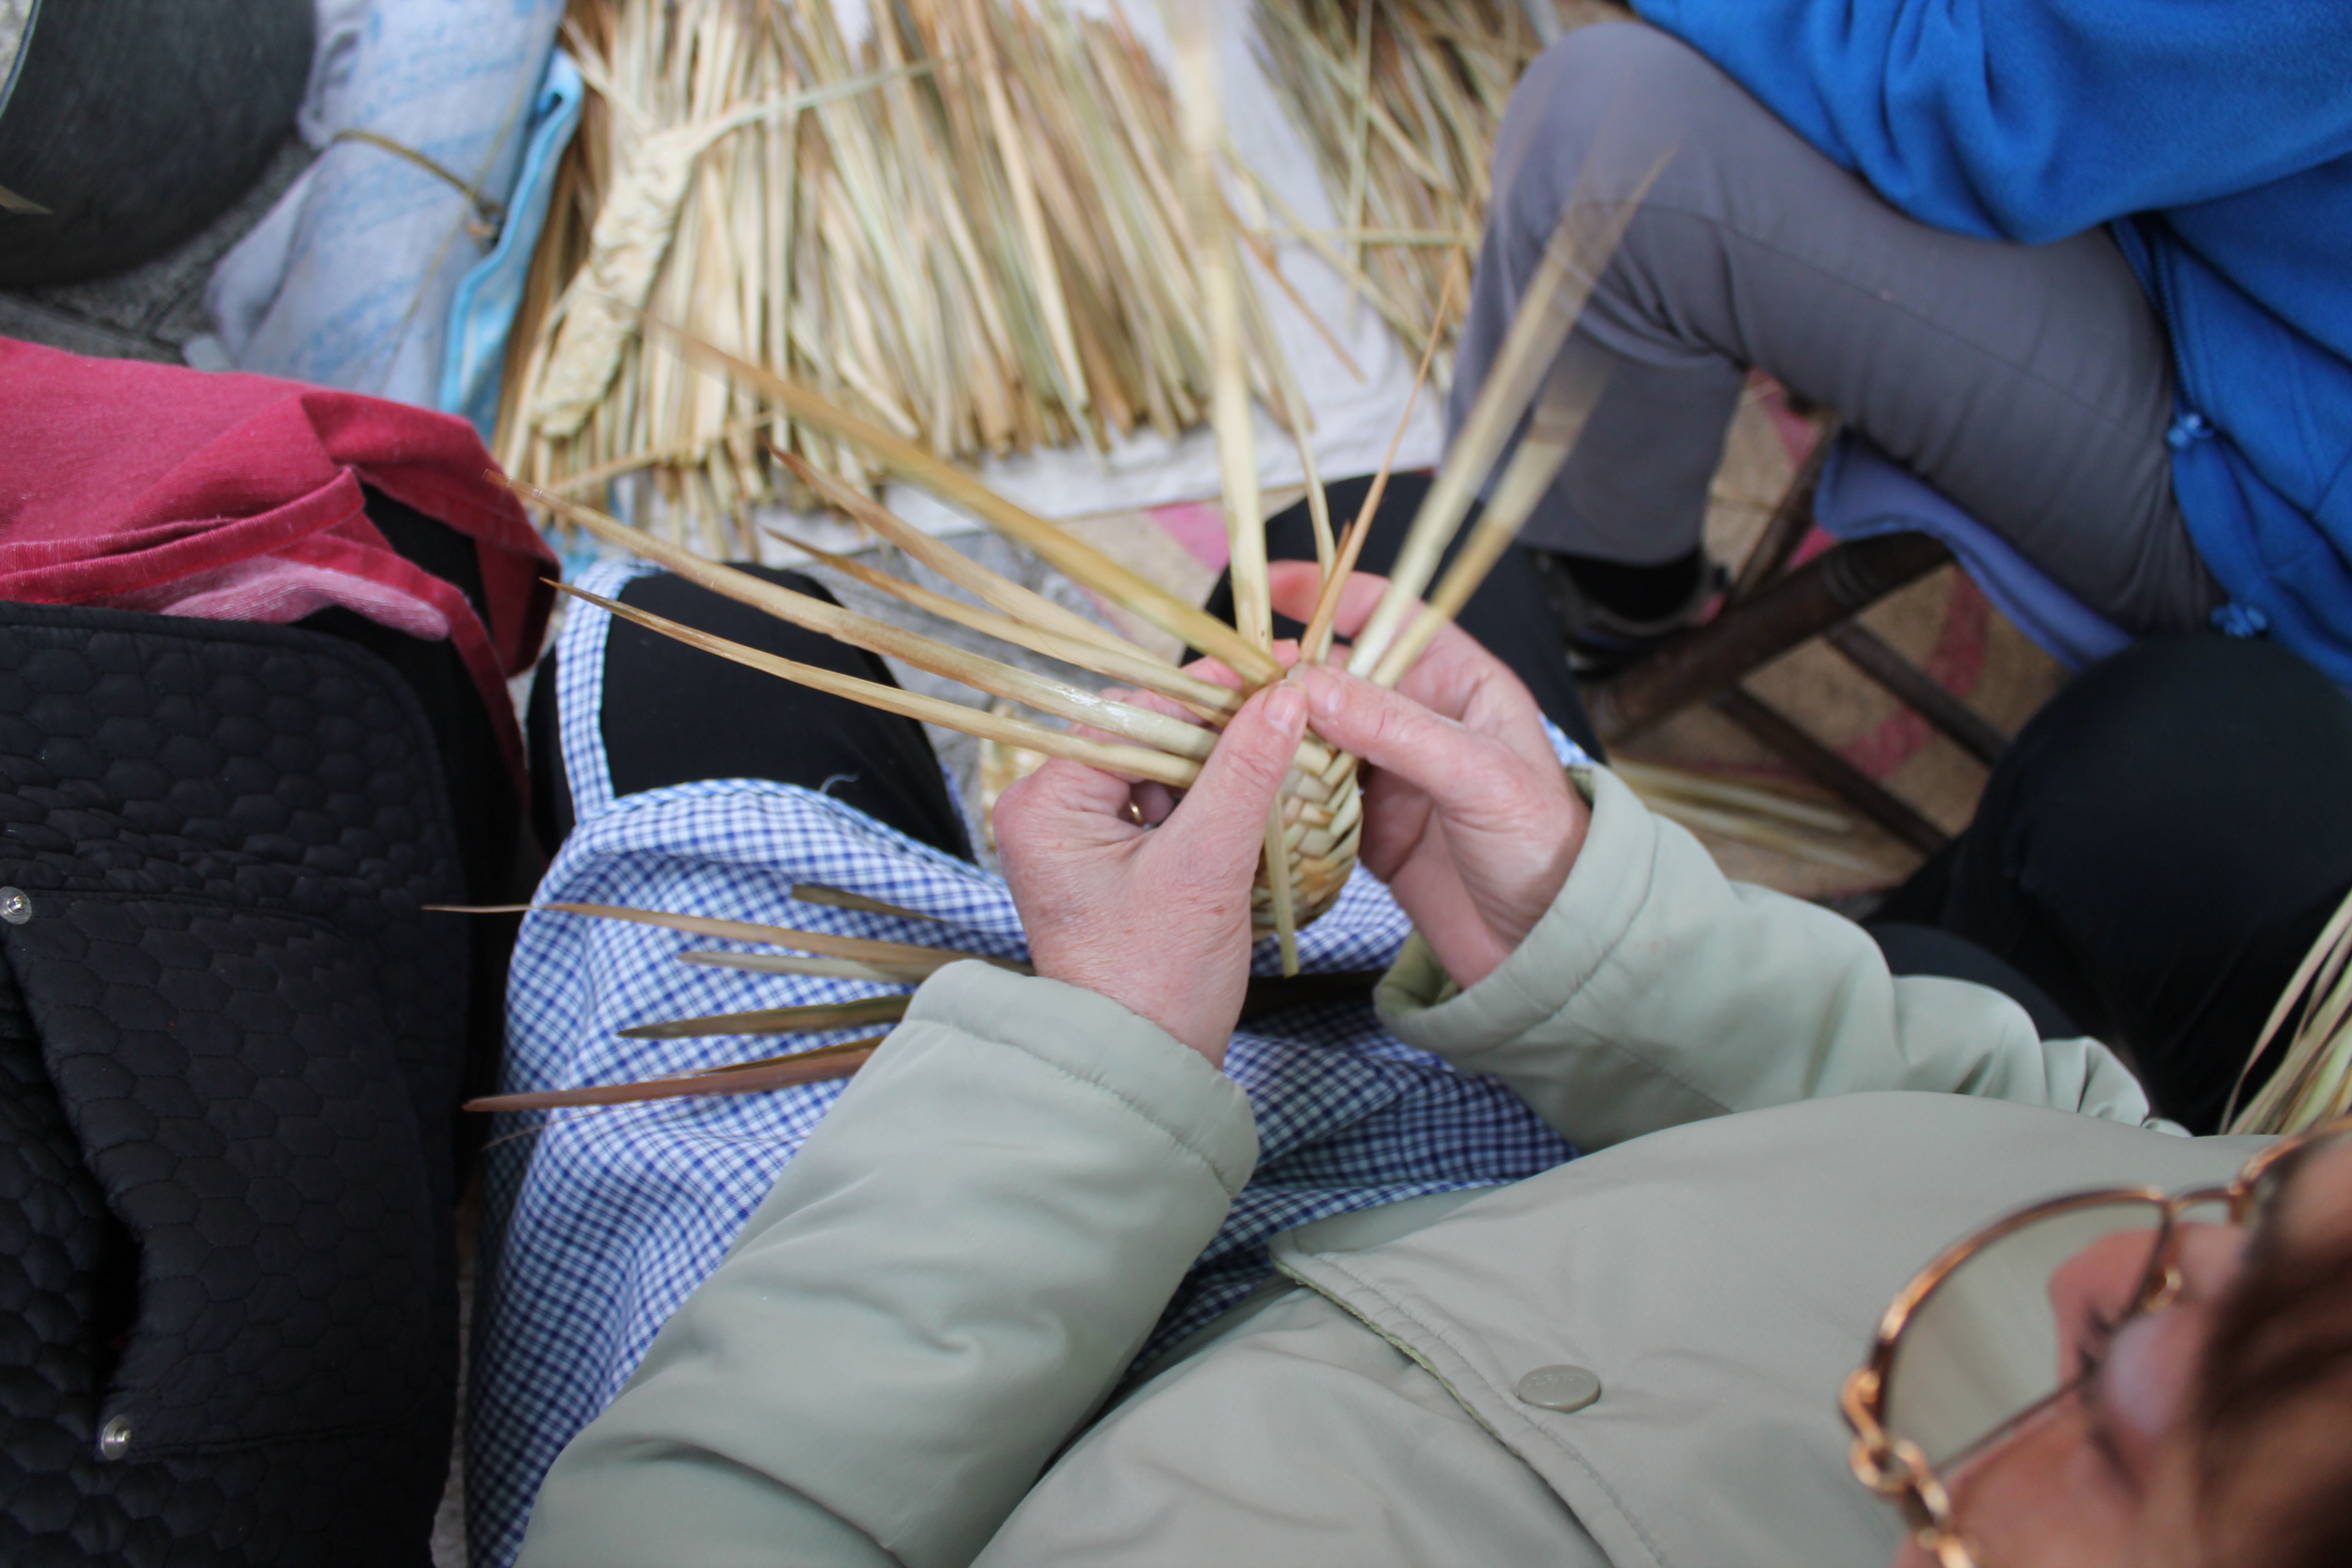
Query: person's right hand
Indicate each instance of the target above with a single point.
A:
(1468, 817)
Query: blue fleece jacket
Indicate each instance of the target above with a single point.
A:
(2214, 135)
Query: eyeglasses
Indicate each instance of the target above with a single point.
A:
(1973, 1350)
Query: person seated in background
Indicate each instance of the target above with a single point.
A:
(920, 1347)
(2080, 265)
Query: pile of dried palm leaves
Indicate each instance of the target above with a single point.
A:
(1313, 829)
(1748, 812)
(1400, 100)
(966, 228)
(2312, 1081)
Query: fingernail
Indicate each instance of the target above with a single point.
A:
(1286, 706)
(1322, 688)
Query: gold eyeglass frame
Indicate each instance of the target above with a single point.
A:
(1896, 1468)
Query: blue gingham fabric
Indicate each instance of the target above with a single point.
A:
(600, 1222)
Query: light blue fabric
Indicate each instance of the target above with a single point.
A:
(482, 311)
(346, 283)
(597, 1224)
(11, 63)
(1864, 493)
(2217, 140)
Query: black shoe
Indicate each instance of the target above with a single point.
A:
(1601, 640)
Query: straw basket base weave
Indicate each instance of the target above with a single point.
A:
(1322, 823)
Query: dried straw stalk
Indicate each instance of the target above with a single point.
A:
(857, 949)
(967, 230)
(736, 1078)
(1204, 129)
(841, 899)
(1400, 100)
(2312, 1081)
(1580, 245)
(1746, 813)
(806, 1020)
(821, 1063)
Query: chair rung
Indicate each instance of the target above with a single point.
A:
(1831, 587)
(1828, 769)
(1916, 689)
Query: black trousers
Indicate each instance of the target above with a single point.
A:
(674, 715)
(2151, 860)
(2157, 851)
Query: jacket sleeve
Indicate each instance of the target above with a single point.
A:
(2032, 120)
(1656, 991)
(948, 1279)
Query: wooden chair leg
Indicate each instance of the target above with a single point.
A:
(1770, 611)
(1915, 689)
(1787, 527)
(1827, 590)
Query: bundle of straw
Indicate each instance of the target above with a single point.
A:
(966, 230)
(1400, 100)
(1761, 815)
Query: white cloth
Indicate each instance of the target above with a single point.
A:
(15, 26)
(347, 282)
(327, 101)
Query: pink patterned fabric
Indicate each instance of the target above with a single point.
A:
(157, 488)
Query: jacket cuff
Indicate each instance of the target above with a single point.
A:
(1095, 1040)
(1605, 890)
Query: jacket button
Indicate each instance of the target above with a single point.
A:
(1559, 1388)
(114, 1438)
(15, 908)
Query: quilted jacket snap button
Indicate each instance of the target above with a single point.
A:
(1559, 1388)
(114, 1438)
(16, 906)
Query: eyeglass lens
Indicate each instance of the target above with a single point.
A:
(1989, 1342)
(2275, 1176)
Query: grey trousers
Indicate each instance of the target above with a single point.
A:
(2031, 385)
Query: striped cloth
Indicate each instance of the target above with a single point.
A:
(599, 1222)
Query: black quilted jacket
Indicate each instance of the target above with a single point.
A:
(230, 1044)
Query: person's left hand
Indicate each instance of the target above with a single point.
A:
(1156, 919)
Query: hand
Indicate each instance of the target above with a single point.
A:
(1468, 817)
(1156, 919)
